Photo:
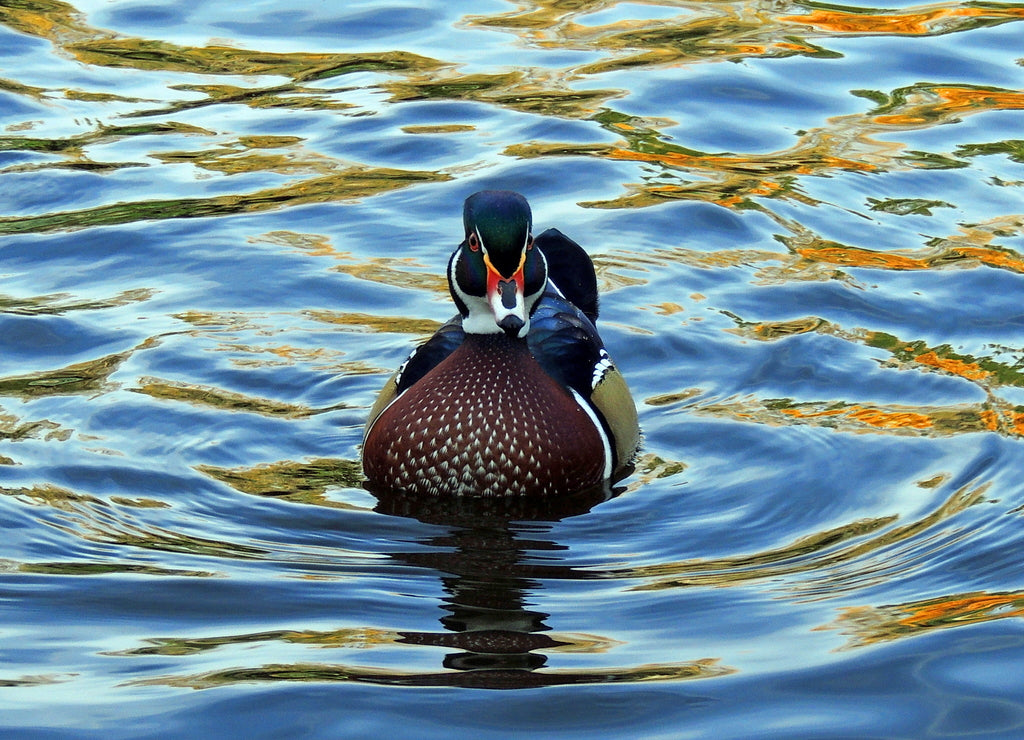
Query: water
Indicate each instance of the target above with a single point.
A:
(222, 230)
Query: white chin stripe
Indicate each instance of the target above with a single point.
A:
(480, 322)
(499, 311)
(484, 313)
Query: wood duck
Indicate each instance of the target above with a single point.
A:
(515, 395)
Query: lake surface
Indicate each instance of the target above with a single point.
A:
(222, 227)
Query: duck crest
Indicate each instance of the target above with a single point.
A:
(516, 395)
(486, 421)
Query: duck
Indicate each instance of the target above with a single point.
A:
(516, 395)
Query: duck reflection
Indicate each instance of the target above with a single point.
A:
(488, 581)
(492, 558)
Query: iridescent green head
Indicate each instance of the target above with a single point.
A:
(496, 276)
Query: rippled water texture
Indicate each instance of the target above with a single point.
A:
(222, 226)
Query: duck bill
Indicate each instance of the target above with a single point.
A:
(507, 300)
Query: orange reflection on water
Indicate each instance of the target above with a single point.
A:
(873, 417)
(854, 257)
(848, 256)
(955, 101)
(739, 163)
(959, 609)
(891, 420)
(969, 370)
(873, 624)
(1003, 418)
(913, 24)
(994, 258)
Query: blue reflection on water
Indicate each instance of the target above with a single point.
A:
(820, 541)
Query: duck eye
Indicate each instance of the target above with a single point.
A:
(474, 242)
(529, 242)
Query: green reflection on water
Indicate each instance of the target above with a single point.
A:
(225, 400)
(349, 184)
(697, 33)
(82, 377)
(93, 519)
(514, 678)
(305, 483)
(822, 554)
(653, 168)
(59, 304)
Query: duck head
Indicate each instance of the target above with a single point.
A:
(496, 276)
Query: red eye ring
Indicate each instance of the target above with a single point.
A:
(474, 243)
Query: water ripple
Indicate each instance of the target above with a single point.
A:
(219, 237)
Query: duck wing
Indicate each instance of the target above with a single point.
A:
(571, 270)
(568, 348)
(565, 343)
(431, 353)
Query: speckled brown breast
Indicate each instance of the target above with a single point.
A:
(487, 421)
